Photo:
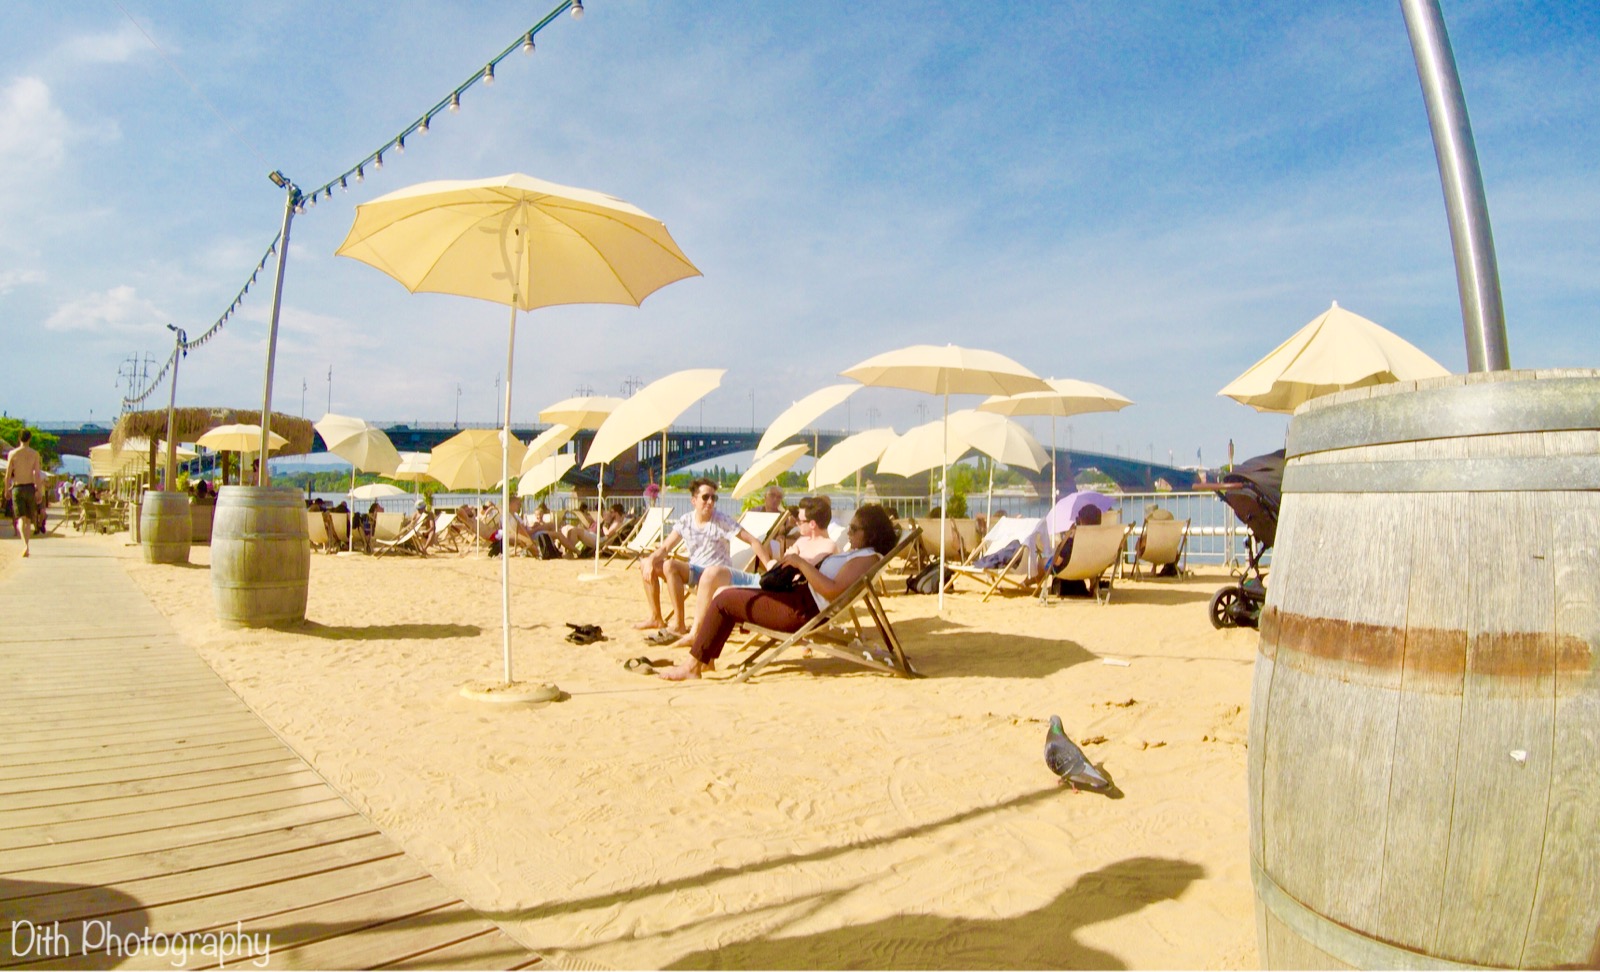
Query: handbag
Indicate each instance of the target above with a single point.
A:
(783, 577)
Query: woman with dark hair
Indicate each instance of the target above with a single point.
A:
(871, 537)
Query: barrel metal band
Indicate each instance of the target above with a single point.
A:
(1489, 408)
(1349, 946)
(1488, 475)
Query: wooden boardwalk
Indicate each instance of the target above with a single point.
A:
(140, 799)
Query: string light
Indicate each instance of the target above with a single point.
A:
(400, 145)
(488, 75)
(455, 102)
(361, 174)
(527, 45)
(577, 9)
(377, 163)
(422, 129)
(343, 185)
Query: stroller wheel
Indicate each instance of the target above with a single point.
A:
(1223, 605)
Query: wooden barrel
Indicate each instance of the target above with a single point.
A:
(1425, 714)
(164, 528)
(260, 556)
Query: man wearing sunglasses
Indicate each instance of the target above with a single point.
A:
(705, 533)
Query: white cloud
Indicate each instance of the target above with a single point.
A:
(113, 47)
(12, 279)
(35, 133)
(116, 310)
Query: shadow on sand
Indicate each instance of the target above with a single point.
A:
(1042, 939)
(387, 632)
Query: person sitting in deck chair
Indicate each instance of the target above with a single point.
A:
(1088, 516)
(871, 537)
(705, 533)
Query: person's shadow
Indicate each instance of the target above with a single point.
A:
(1042, 939)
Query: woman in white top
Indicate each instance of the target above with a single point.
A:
(871, 536)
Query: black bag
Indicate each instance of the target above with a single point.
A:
(548, 550)
(926, 580)
(784, 577)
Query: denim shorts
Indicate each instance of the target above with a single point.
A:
(740, 578)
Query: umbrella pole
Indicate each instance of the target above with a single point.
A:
(988, 506)
(262, 478)
(664, 458)
(944, 482)
(172, 408)
(600, 516)
(505, 498)
(351, 530)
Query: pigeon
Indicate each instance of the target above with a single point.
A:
(1067, 761)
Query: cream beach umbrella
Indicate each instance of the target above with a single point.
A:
(545, 445)
(849, 456)
(946, 371)
(1337, 350)
(766, 469)
(545, 473)
(413, 468)
(526, 243)
(652, 409)
(365, 446)
(1066, 397)
(586, 412)
(377, 491)
(471, 459)
(240, 438)
(796, 417)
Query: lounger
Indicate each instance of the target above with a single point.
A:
(447, 532)
(341, 531)
(386, 526)
(1096, 552)
(409, 542)
(652, 529)
(826, 632)
(1024, 570)
(761, 525)
(317, 530)
(1165, 542)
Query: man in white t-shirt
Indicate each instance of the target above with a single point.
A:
(704, 533)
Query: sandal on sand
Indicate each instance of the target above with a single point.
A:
(642, 665)
(662, 637)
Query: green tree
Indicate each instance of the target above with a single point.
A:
(44, 443)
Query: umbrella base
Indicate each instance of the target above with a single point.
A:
(512, 692)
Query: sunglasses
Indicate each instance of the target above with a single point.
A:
(707, 497)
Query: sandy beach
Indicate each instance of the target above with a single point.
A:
(819, 816)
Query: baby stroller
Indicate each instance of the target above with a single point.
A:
(1256, 486)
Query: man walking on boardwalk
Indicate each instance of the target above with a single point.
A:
(22, 471)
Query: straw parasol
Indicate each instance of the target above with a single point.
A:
(190, 424)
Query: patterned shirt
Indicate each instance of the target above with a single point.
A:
(707, 543)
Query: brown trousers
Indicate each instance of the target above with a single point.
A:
(777, 610)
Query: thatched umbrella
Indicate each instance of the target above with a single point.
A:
(191, 423)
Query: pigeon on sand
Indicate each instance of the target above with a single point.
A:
(1067, 761)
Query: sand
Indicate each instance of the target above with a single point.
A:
(819, 816)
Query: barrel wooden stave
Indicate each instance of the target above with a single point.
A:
(260, 557)
(164, 528)
(1410, 642)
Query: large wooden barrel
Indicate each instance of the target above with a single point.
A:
(1424, 761)
(200, 515)
(164, 528)
(260, 556)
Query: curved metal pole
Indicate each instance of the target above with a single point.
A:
(1477, 274)
(172, 408)
(291, 199)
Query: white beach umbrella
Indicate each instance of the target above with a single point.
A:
(796, 417)
(473, 458)
(1066, 397)
(239, 438)
(586, 412)
(377, 491)
(546, 444)
(545, 473)
(766, 469)
(946, 371)
(851, 455)
(413, 467)
(1336, 351)
(365, 446)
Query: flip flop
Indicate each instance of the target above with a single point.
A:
(642, 665)
(662, 638)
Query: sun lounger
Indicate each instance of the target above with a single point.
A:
(1096, 552)
(317, 530)
(447, 533)
(412, 541)
(1163, 542)
(827, 632)
(652, 529)
(386, 526)
(1023, 570)
(761, 525)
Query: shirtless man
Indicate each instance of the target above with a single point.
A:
(21, 472)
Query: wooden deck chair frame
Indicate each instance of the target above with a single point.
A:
(653, 528)
(446, 534)
(387, 526)
(1171, 539)
(408, 542)
(816, 631)
(317, 530)
(1096, 551)
(341, 531)
(1003, 576)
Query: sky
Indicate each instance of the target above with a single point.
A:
(1150, 196)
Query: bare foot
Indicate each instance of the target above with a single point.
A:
(650, 625)
(682, 673)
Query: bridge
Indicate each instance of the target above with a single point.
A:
(687, 448)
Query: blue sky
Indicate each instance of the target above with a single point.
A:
(1146, 195)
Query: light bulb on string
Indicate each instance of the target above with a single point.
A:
(361, 175)
(400, 145)
(422, 129)
(527, 45)
(344, 183)
(488, 75)
(455, 103)
(577, 9)
(377, 162)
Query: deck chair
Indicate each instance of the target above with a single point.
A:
(761, 525)
(652, 529)
(386, 526)
(1024, 570)
(409, 542)
(447, 533)
(827, 631)
(317, 530)
(1096, 552)
(1164, 542)
(341, 531)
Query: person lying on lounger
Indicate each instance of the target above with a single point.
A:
(871, 536)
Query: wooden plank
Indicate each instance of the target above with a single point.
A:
(94, 901)
(170, 860)
(492, 949)
(68, 796)
(18, 750)
(395, 941)
(174, 742)
(1500, 804)
(128, 808)
(218, 757)
(129, 767)
(131, 824)
(1566, 908)
(91, 724)
(119, 845)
